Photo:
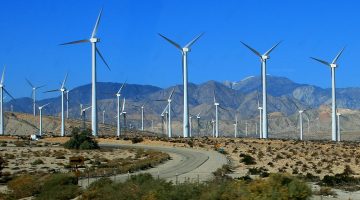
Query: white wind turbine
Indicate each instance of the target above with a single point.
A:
(40, 119)
(33, 94)
(95, 51)
(62, 90)
(83, 115)
(118, 94)
(217, 105)
(103, 116)
(235, 126)
(332, 66)
(168, 111)
(198, 123)
(213, 127)
(2, 90)
(263, 59)
(142, 115)
(184, 50)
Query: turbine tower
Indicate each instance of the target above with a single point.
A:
(2, 90)
(103, 116)
(260, 117)
(118, 94)
(184, 51)
(33, 94)
(190, 125)
(263, 59)
(301, 124)
(62, 90)
(338, 126)
(332, 66)
(40, 115)
(95, 51)
(142, 117)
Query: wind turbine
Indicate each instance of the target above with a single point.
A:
(216, 104)
(338, 126)
(332, 66)
(263, 59)
(40, 115)
(103, 116)
(118, 94)
(33, 94)
(142, 117)
(168, 111)
(235, 127)
(213, 127)
(198, 123)
(301, 124)
(83, 115)
(62, 90)
(95, 51)
(184, 51)
(2, 90)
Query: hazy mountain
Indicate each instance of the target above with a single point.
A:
(284, 96)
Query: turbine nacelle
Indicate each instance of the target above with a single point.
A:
(62, 89)
(185, 49)
(216, 104)
(117, 94)
(333, 65)
(264, 57)
(94, 40)
(301, 111)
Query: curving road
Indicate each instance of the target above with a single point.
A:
(185, 164)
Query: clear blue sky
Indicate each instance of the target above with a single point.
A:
(32, 30)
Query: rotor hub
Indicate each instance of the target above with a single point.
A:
(216, 104)
(333, 65)
(265, 57)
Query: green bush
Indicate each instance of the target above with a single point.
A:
(37, 162)
(81, 140)
(144, 186)
(60, 187)
(23, 186)
(137, 140)
(247, 159)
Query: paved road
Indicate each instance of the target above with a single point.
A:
(185, 164)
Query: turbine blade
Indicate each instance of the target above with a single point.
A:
(87, 108)
(102, 58)
(93, 34)
(323, 62)
(214, 97)
(338, 55)
(9, 94)
(253, 50)
(198, 115)
(223, 108)
(76, 42)
(64, 81)
(193, 41)
(52, 91)
(271, 49)
(44, 105)
(160, 100)
(123, 106)
(40, 87)
(167, 105)
(172, 42)
(31, 85)
(171, 94)
(122, 87)
(3, 76)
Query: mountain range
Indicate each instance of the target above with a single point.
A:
(285, 98)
